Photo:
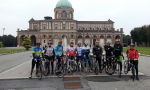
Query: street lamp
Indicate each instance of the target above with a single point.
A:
(3, 37)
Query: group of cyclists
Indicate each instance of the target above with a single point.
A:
(83, 52)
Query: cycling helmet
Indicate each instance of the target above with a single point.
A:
(108, 42)
(97, 42)
(60, 41)
(71, 42)
(38, 43)
(49, 42)
(117, 40)
(85, 43)
(132, 44)
(79, 42)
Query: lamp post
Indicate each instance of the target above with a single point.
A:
(3, 37)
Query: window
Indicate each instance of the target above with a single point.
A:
(100, 29)
(44, 41)
(86, 28)
(79, 28)
(35, 29)
(64, 14)
(93, 28)
(107, 29)
(55, 27)
(63, 27)
(44, 27)
(71, 27)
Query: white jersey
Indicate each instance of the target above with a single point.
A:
(49, 51)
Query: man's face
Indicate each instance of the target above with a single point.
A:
(71, 44)
(118, 42)
(60, 43)
(38, 46)
(49, 44)
(108, 44)
(79, 45)
(97, 44)
(131, 47)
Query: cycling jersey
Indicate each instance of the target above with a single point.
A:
(59, 50)
(132, 53)
(50, 52)
(71, 51)
(79, 51)
(37, 51)
(108, 50)
(97, 50)
(86, 54)
(118, 49)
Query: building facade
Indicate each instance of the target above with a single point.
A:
(64, 25)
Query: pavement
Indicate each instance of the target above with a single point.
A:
(15, 70)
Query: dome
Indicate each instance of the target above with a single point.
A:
(63, 3)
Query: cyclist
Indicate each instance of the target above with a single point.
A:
(109, 51)
(37, 51)
(118, 52)
(59, 52)
(50, 52)
(70, 55)
(79, 52)
(86, 52)
(133, 56)
(97, 52)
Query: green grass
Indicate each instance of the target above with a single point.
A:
(141, 50)
(10, 50)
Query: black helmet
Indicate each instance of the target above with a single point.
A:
(71, 42)
(38, 43)
(49, 42)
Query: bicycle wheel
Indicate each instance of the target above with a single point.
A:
(102, 64)
(60, 72)
(96, 70)
(126, 67)
(46, 66)
(40, 71)
(119, 71)
(133, 72)
(80, 67)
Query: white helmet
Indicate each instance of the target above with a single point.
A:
(86, 43)
(79, 42)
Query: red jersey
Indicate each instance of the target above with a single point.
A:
(71, 51)
(132, 53)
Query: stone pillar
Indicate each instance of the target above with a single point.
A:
(18, 41)
(105, 39)
(83, 39)
(91, 41)
(121, 39)
(76, 40)
(113, 39)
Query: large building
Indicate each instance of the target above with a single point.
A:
(64, 25)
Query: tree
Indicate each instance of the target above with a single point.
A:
(26, 42)
(1, 44)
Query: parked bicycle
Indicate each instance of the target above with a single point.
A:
(129, 66)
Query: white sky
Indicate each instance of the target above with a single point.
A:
(126, 14)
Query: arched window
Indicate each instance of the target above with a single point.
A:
(64, 14)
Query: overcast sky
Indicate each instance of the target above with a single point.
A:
(126, 14)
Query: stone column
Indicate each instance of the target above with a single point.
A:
(105, 39)
(113, 39)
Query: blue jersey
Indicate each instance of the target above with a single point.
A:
(37, 52)
(59, 50)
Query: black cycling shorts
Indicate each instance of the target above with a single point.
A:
(33, 63)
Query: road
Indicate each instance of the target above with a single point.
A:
(12, 60)
(89, 82)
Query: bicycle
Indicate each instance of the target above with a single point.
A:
(109, 66)
(47, 64)
(80, 67)
(60, 68)
(40, 72)
(128, 65)
(117, 62)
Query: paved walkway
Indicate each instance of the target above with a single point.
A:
(23, 71)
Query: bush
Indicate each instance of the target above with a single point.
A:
(1, 44)
(26, 42)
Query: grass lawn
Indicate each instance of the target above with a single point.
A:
(9, 50)
(141, 50)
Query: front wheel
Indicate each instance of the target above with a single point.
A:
(40, 72)
(126, 67)
(119, 70)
